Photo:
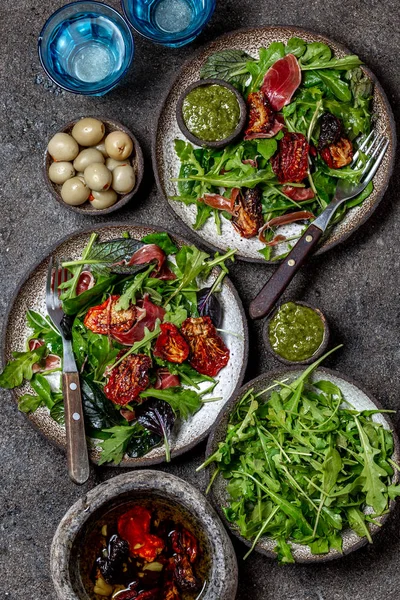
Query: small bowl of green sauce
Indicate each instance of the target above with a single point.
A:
(297, 333)
(211, 113)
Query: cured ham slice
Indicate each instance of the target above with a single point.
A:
(149, 314)
(85, 282)
(298, 194)
(166, 380)
(150, 253)
(281, 81)
(220, 202)
(52, 361)
(301, 215)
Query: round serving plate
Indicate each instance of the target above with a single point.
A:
(355, 395)
(166, 164)
(30, 294)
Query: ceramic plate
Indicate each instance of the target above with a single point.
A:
(166, 164)
(352, 393)
(31, 295)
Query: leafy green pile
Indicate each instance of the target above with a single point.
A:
(95, 353)
(329, 84)
(302, 465)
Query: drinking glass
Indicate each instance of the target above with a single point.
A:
(169, 22)
(86, 47)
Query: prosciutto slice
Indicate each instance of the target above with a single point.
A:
(298, 194)
(278, 124)
(166, 380)
(149, 314)
(85, 282)
(150, 253)
(220, 202)
(52, 361)
(281, 81)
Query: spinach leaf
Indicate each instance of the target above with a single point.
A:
(162, 240)
(267, 147)
(20, 367)
(141, 442)
(73, 306)
(42, 387)
(183, 401)
(103, 256)
(29, 403)
(99, 411)
(57, 412)
(228, 65)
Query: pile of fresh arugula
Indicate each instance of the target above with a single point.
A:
(95, 353)
(329, 84)
(302, 465)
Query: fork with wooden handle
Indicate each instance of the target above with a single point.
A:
(77, 453)
(373, 146)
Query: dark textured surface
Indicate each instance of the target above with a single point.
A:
(356, 285)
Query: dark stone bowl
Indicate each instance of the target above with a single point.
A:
(319, 352)
(198, 141)
(136, 161)
(67, 548)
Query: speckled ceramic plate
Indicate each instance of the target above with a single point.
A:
(166, 164)
(31, 295)
(358, 398)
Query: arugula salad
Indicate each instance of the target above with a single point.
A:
(144, 322)
(307, 113)
(302, 465)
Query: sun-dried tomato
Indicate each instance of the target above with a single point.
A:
(105, 319)
(171, 345)
(134, 527)
(261, 116)
(128, 379)
(291, 162)
(330, 130)
(183, 573)
(339, 154)
(171, 591)
(111, 565)
(208, 353)
(184, 542)
(247, 215)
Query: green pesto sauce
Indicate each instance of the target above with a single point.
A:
(296, 332)
(211, 112)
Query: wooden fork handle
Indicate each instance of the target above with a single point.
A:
(77, 452)
(266, 299)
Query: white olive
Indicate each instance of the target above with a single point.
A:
(103, 199)
(74, 191)
(63, 147)
(118, 145)
(101, 146)
(61, 171)
(97, 177)
(111, 163)
(87, 157)
(123, 179)
(88, 131)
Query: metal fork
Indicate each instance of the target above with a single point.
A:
(77, 453)
(374, 146)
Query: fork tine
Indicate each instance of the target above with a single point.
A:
(361, 147)
(371, 155)
(376, 164)
(56, 301)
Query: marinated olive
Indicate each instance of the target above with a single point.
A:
(63, 147)
(118, 145)
(87, 157)
(101, 146)
(97, 177)
(88, 131)
(103, 199)
(61, 171)
(74, 191)
(111, 163)
(123, 179)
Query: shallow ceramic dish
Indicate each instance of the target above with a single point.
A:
(354, 394)
(194, 139)
(322, 348)
(166, 164)
(136, 160)
(31, 294)
(193, 508)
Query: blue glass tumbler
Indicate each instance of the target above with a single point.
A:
(86, 47)
(169, 22)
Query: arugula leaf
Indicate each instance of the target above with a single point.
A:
(233, 179)
(113, 449)
(316, 52)
(372, 473)
(20, 367)
(188, 375)
(162, 240)
(129, 295)
(183, 401)
(228, 65)
(42, 387)
(29, 403)
(296, 46)
(267, 147)
(267, 57)
(357, 523)
(335, 84)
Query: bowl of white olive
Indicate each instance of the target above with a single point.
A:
(93, 165)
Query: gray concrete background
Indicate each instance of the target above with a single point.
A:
(356, 285)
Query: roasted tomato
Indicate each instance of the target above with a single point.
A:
(261, 116)
(134, 527)
(184, 542)
(339, 154)
(171, 345)
(128, 378)
(330, 130)
(208, 353)
(171, 591)
(247, 216)
(291, 162)
(105, 319)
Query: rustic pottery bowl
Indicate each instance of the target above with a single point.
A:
(319, 352)
(136, 160)
(359, 398)
(198, 141)
(67, 547)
